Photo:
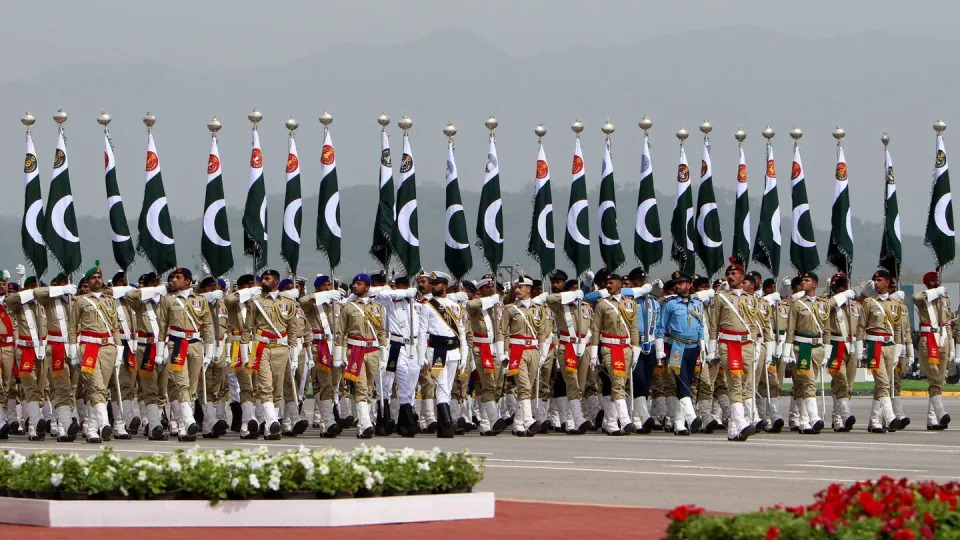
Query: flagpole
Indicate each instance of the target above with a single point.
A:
(939, 126)
(384, 121)
(540, 132)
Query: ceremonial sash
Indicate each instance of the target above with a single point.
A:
(618, 361)
(875, 350)
(178, 356)
(837, 355)
(149, 341)
(486, 354)
(933, 349)
(152, 351)
(7, 323)
(356, 356)
(734, 350)
(28, 358)
(393, 356)
(516, 353)
(91, 350)
(324, 358)
(58, 360)
(260, 346)
(804, 359)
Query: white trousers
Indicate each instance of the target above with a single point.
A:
(446, 379)
(407, 375)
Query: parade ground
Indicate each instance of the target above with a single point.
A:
(660, 470)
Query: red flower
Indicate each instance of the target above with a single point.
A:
(682, 512)
(904, 534)
(870, 505)
(948, 498)
(929, 520)
(772, 533)
(927, 532)
(927, 491)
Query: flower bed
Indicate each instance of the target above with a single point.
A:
(217, 475)
(886, 508)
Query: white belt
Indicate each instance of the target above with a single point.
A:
(56, 339)
(400, 339)
(524, 342)
(103, 342)
(183, 335)
(146, 340)
(808, 340)
(723, 336)
(839, 339)
(930, 328)
(572, 339)
(320, 336)
(125, 337)
(485, 340)
(614, 341)
(881, 339)
(366, 343)
(270, 341)
(232, 339)
(28, 343)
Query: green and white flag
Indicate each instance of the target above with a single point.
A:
(576, 241)
(123, 250)
(840, 249)
(681, 223)
(406, 241)
(328, 204)
(155, 238)
(31, 237)
(766, 249)
(647, 240)
(891, 249)
(292, 209)
(255, 210)
(456, 254)
(803, 245)
(541, 245)
(741, 215)
(386, 212)
(611, 251)
(490, 216)
(215, 246)
(940, 232)
(61, 234)
(709, 242)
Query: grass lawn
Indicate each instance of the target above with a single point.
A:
(907, 384)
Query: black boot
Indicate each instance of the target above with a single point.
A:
(236, 416)
(389, 426)
(446, 427)
(410, 425)
(381, 427)
(197, 412)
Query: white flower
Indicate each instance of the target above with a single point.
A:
(17, 461)
(368, 482)
(323, 469)
(274, 482)
(56, 479)
(424, 466)
(378, 477)
(174, 464)
(142, 476)
(254, 481)
(234, 482)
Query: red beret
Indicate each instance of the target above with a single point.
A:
(930, 276)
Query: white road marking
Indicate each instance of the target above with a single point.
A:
(829, 461)
(850, 467)
(705, 467)
(666, 473)
(530, 461)
(612, 458)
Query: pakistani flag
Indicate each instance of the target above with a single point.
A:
(61, 234)
(123, 250)
(840, 249)
(610, 249)
(215, 247)
(155, 238)
(405, 242)
(383, 226)
(541, 246)
(328, 204)
(741, 215)
(766, 250)
(803, 245)
(709, 242)
(576, 242)
(490, 216)
(292, 209)
(255, 210)
(647, 242)
(940, 231)
(31, 238)
(681, 224)
(891, 252)
(457, 251)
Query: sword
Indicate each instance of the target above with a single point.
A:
(303, 378)
(116, 371)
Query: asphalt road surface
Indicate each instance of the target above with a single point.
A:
(658, 470)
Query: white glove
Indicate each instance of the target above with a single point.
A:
(769, 347)
(118, 362)
(147, 293)
(6, 274)
(953, 353)
(827, 352)
(119, 291)
(487, 302)
(311, 363)
(660, 352)
(161, 357)
(209, 350)
(409, 293)
(657, 287)
(292, 294)
(244, 352)
(642, 290)
(327, 296)
(422, 355)
(772, 298)
(569, 297)
(338, 356)
(756, 353)
(214, 296)
(543, 359)
(594, 355)
(910, 352)
(67, 290)
(711, 349)
(867, 289)
(294, 361)
(218, 350)
(787, 355)
(797, 295)
(705, 295)
(21, 270)
(501, 353)
(539, 300)
(71, 350)
(636, 357)
(384, 358)
(897, 352)
(898, 295)
(858, 349)
(244, 295)
(850, 294)
(458, 297)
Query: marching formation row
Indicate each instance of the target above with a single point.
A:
(626, 357)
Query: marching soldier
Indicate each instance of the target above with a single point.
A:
(936, 345)
(8, 392)
(321, 310)
(239, 345)
(57, 315)
(215, 374)
(362, 339)
(151, 354)
(93, 339)
(731, 341)
(402, 364)
(881, 333)
(441, 341)
(293, 423)
(428, 409)
(573, 319)
(186, 327)
(615, 339)
(485, 313)
(679, 336)
(527, 329)
(843, 351)
(125, 376)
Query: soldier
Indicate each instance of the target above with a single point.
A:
(293, 423)
(766, 314)
(186, 327)
(151, 354)
(806, 325)
(95, 328)
(125, 377)
(529, 332)
(321, 310)
(362, 338)
(935, 347)
(441, 341)
(8, 399)
(769, 380)
(573, 320)
(215, 374)
(882, 336)
(731, 341)
(57, 312)
(679, 336)
(485, 313)
(239, 343)
(843, 351)
(615, 338)
(428, 412)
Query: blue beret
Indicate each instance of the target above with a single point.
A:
(320, 280)
(362, 277)
(221, 282)
(284, 283)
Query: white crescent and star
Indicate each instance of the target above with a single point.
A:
(704, 237)
(30, 221)
(775, 226)
(210, 223)
(57, 219)
(940, 214)
(330, 214)
(542, 220)
(490, 221)
(112, 200)
(289, 220)
(686, 229)
(604, 239)
(797, 236)
(449, 239)
(572, 216)
(263, 217)
(641, 227)
(153, 221)
(403, 223)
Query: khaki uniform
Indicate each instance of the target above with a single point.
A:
(728, 329)
(573, 327)
(484, 336)
(526, 328)
(272, 335)
(238, 335)
(326, 378)
(32, 358)
(128, 370)
(186, 326)
(779, 319)
(880, 327)
(936, 332)
(8, 383)
(217, 387)
(362, 332)
(57, 320)
(805, 334)
(843, 327)
(613, 329)
(95, 332)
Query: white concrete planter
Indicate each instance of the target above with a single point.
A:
(252, 513)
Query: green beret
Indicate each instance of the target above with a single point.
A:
(95, 270)
(31, 280)
(811, 275)
(59, 276)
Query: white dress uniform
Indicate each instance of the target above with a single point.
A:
(441, 339)
(403, 326)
